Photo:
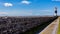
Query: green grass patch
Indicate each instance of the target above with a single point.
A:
(59, 28)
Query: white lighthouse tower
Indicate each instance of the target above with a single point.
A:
(55, 14)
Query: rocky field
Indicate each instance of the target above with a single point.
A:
(17, 25)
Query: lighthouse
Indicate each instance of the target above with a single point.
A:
(55, 11)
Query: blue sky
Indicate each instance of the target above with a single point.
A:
(28, 7)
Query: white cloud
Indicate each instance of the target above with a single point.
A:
(8, 4)
(20, 13)
(3, 13)
(25, 2)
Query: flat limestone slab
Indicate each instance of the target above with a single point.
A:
(51, 28)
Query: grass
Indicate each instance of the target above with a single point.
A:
(59, 28)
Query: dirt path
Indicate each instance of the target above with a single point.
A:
(52, 28)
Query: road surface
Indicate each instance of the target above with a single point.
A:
(51, 28)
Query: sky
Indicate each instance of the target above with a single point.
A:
(28, 7)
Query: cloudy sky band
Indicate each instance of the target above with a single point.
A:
(30, 7)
